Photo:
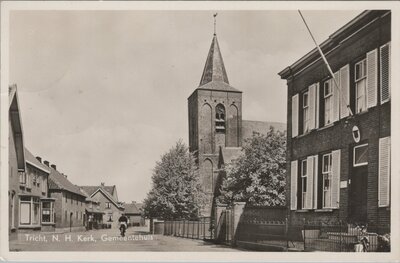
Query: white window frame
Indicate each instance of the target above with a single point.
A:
(22, 178)
(51, 212)
(354, 155)
(303, 182)
(328, 98)
(306, 113)
(32, 203)
(108, 205)
(327, 173)
(363, 64)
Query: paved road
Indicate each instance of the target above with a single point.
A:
(109, 240)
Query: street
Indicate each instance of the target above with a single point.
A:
(137, 239)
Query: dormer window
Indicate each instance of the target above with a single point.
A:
(220, 118)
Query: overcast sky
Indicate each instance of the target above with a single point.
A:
(103, 94)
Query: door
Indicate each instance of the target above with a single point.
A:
(359, 183)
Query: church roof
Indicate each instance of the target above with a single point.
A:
(230, 153)
(214, 74)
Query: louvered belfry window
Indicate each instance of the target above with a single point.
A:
(220, 118)
(385, 72)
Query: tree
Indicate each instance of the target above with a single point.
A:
(176, 192)
(258, 176)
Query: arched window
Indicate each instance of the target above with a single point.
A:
(220, 118)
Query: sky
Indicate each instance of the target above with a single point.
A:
(103, 94)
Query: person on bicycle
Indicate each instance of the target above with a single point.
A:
(123, 224)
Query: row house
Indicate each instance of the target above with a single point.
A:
(30, 207)
(107, 198)
(93, 218)
(338, 145)
(16, 160)
(70, 202)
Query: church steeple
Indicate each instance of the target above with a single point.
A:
(214, 70)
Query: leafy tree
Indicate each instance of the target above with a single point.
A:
(176, 191)
(257, 177)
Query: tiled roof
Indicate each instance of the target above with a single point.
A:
(230, 153)
(89, 189)
(214, 69)
(262, 127)
(59, 181)
(33, 161)
(132, 208)
(218, 85)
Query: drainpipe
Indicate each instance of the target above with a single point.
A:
(70, 221)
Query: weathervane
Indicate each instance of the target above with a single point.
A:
(215, 24)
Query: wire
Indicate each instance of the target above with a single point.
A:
(327, 64)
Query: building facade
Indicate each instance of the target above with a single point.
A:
(16, 160)
(70, 202)
(36, 207)
(215, 123)
(107, 199)
(338, 129)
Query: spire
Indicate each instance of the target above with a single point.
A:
(214, 70)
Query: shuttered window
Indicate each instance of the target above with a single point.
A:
(295, 115)
(304, 185)
(345, 89)
(336, 97)
(385, 73)
(312, 97)
(293, 185)
(328, 102)
(335, 191)
(372, 78)
(384, 172)
(306, 112)
(361, 86)
(327, 180)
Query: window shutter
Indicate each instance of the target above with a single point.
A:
(293, 185)
(336, 97)
(317, 113)
(295, 115)
(372, 59)
(384, 172)
(345, 89)
(315, 204)
(311, 103)
(385, 73)
(310, 183)
(335, 178)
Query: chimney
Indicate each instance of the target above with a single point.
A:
(102, 183)
(39, 158)
(54, 166)
(46, 163)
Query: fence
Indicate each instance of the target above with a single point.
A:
(199, 229)
(309, 236)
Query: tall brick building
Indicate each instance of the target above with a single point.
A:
(338, 164)
(215, 122)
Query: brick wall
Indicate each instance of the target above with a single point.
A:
(13, 183)
(373, 124)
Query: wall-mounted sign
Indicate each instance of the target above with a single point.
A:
(343, 184)
(356, 134)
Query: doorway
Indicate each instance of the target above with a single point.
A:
(359, 185)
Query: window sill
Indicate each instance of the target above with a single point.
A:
(324, 210)
(29, 227)
(327, 126)
(48, 223)
(303, 211)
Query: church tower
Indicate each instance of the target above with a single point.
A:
(215, 119)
